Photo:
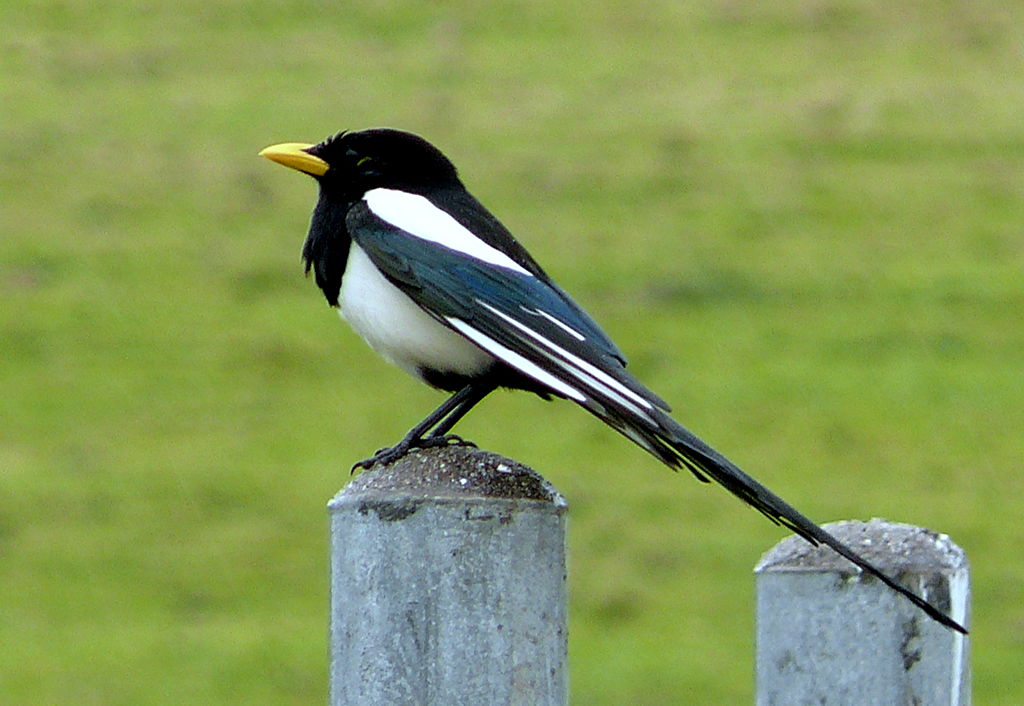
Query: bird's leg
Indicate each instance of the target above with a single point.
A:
(478, 392)
(441, 420)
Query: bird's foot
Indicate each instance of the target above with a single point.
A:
(446, 440)
(393, 453)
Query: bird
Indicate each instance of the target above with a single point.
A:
(437, 286)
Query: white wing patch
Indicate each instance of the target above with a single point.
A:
(515, 360)
(562, 325)
(581, 370)
(417, 216)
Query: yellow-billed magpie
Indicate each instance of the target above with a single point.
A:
(439, 287)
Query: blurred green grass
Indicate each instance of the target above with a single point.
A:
(800, 220)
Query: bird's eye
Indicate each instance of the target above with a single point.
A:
(363, 160)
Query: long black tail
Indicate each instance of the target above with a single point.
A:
(679, 448)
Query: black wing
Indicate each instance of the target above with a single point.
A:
(520, 318)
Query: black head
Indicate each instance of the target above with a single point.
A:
(380, 157)
(346, 167)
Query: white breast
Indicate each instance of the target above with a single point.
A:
(397, 328)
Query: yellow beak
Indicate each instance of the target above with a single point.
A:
(294, 155)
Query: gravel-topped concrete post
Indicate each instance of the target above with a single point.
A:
(448, 584)
(827, 634)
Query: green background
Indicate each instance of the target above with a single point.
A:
(800, 220)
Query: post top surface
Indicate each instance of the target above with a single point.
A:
(891, 546)
(453, 472)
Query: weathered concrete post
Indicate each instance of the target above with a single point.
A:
(448, 584)
(827, 634)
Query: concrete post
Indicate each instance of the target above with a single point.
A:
(827, 634)
(448, 584)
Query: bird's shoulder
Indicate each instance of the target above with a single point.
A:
(431, 208)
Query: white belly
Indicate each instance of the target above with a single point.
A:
(397, 329)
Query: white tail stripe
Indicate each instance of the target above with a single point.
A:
(515, 360)
(597, 378)
(417, 216)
